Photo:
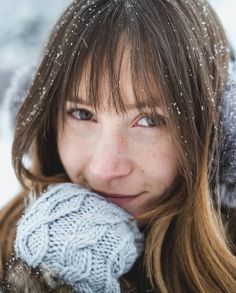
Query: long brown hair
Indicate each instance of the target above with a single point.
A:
(179, 60)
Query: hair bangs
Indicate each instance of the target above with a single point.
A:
(100, 53)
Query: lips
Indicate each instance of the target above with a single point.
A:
(118, 199)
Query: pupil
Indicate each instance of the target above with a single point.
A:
(85, 115)
(151, 122)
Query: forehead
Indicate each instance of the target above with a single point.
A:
(122, 80)
(114, 84)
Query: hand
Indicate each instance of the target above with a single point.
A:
(79, 237)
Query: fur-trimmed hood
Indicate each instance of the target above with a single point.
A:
(22, 80)
(228, 145)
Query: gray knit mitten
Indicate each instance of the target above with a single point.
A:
(77, 237)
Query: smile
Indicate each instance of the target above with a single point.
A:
(118, 199)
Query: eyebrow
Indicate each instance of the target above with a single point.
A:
(139, 105)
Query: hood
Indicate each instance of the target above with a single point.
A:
(228, 144)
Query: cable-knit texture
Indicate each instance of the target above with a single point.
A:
(76, 236)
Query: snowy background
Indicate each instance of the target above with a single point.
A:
(24, 28)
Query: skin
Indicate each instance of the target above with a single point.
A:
(130, 159)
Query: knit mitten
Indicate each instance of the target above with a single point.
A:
(76, 237)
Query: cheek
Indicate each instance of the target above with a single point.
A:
(71, 152)
(161, 163)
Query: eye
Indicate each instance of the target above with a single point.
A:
(81, 114)
(147, 121)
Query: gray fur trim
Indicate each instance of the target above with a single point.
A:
(18, 89)
(22, 279)
(228, 147)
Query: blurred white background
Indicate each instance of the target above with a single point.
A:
(24, 27)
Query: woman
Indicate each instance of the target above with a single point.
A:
(126, 104)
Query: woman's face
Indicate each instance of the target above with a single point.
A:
(129, 159)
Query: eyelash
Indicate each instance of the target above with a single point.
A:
(71, 112)
(159, 120)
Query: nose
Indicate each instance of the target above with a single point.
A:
(110, 158)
